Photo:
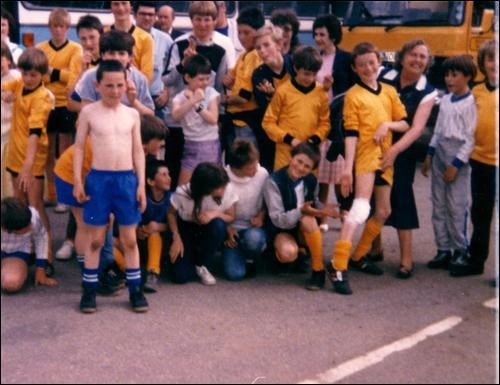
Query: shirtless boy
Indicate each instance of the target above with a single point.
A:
(115, 183)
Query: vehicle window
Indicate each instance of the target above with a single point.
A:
(405, 13)
(181, 7)
(304, 9)
(477, 13)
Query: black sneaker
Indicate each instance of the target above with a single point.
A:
(301, 264)
(251, 270)
(87, 302)
(462, 265)
(339, 280)
(379, 257)
(151, 283)
(365, 265)
(317, 281)
(138, 302)
(441, 260)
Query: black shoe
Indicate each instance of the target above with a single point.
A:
(365, 265)
(379, 257)
(404, 273)
(301, 264)
(138, 302)
(251, 270)
(87, 302)
(317, 281)
(441, 260)
(339, 280)
(463, 265)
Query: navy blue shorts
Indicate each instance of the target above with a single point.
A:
(64, 191)
(111, 192)
(30, 259)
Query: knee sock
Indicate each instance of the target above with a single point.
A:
(341, 255)
(371, 231)
(119, 258)
(133, 279)
(154, 253)
(81, 262)
(313, 242)
(90, 279)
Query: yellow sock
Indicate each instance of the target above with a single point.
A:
(313, 242)
(341, 255)
(119, 258)
(372, 229)
(154, 252)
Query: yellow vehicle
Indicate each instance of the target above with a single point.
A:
(448, 27)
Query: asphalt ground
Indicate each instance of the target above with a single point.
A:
(429, 329)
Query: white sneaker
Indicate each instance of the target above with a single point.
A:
(66, 251)
(206, 277)
(61, 208)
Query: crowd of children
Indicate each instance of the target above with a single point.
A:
(228, 163)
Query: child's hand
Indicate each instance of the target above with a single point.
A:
(198, 96)
(295, 142)
(177, 248)
(257, 221)
(346, 183)
(450, 174)
(8, 96)
(228, 80)
(79, 193)
(42, 280)
(25, 179)
(87, 59)
(232, 235)
(332, 211)
(426, 166)
(266, 87)
(190, 50)
(381, 132)
(388, 158)
(161, 101)
(131, 92)
(141, 198)
(206, 217)
(327, 82)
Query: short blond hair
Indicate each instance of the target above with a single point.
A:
(276, 33)
(59, 16)
(203, 8)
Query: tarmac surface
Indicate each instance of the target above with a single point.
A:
(429, 329)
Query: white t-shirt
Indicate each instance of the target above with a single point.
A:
(250, 194)
(184, 205)
(194, 127)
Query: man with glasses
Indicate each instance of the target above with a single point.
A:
(145, 16)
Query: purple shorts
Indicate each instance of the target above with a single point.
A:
(197, 152)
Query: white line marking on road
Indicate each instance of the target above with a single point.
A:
(374, 357)
(491, 303)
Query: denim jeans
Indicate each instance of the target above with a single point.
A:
(200, 244)
(251, 243)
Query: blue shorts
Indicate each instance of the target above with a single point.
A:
(64, 191)
(111, 192)
(30, 259)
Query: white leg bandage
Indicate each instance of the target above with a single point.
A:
(359, 211)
